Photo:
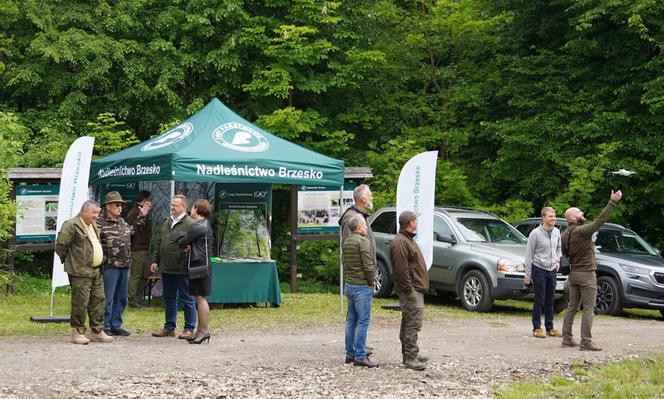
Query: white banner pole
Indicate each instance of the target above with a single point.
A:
(416, 192)
(341, 261)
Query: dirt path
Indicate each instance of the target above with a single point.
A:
(469, 358)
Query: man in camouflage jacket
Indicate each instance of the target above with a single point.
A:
(115, 236)
(79, 250)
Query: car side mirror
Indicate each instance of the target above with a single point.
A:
(449, 238)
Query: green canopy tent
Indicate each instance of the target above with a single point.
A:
(217, 145)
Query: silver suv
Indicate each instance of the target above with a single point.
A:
(476, 256)
(630, 272)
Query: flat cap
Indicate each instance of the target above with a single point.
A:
(406, 217)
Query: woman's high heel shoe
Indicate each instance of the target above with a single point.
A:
(200, 339)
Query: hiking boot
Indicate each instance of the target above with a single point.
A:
(163, 333)
(99, 337)
(364, 362)
(553, 333)
(538, 333)
(78, 338)
(570, 343)
(348, 360)
(121, 332)
(423, 358)
(590, 346)
(414, 364)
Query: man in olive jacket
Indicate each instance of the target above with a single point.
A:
(171, 261)
(577, 242)
(359, 269)
(81, 253)
(412, 282)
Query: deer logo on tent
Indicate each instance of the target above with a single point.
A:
(239, 137)
(172, 136)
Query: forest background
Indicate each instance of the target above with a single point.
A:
(528, 102)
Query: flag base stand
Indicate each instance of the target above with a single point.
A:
(392, 306)
(49, 319)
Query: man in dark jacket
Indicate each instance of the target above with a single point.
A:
(359, 269)
(140, 242)
(171, 261)
(412, 282)
(577, 242)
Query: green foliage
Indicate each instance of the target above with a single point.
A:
(110, 135)
(13, 135)
(528, 103)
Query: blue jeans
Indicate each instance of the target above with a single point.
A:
(545, 288)
(116, 282)
(357, 320)
(174, 285)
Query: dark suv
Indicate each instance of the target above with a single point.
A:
(630, 272)
(476, 256)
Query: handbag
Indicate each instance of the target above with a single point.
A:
(565, 260)
(200, 271)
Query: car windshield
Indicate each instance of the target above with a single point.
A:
(628, 242)
(489, 230)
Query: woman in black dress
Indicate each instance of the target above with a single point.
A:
(198, 244)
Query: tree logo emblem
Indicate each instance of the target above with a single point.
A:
(239, 137)
(172, 136)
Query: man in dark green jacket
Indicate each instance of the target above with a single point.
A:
(81, 253)
(577, 242)
(171, 261)
(359, 269)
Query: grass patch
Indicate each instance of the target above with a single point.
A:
(641, 378)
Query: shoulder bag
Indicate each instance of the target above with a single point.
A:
(201, 271)
(565, 260)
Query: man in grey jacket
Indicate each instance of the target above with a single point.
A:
(543, 253)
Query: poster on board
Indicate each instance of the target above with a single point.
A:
(319, 208)
(38, 213)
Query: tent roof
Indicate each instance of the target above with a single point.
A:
(215, 144)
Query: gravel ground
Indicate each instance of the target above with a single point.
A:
(469, 359)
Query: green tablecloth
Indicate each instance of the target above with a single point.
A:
(245, 282)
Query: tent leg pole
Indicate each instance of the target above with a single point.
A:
(293, 242)
(172, 188)
(341, 263)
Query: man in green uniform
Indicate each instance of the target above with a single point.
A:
(140, 241)
(80, 251)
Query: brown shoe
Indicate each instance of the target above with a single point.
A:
(364, 362)
(99, 337)
(590, 346)
(538, 333)
(186, 334)
(553, 333)
(163, 333)
(570, 343)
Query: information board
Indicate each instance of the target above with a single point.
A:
(319, 208)
(37, 216)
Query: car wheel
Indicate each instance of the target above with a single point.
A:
(475, 292)
(609, 298)
(382, 281)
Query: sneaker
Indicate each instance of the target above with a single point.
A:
(414, 364)
(120, 332)
(553, 333)
(99, 337)
(538, 333)
(364, 362)
(78, 339)
(570, 343)
(590, 346)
